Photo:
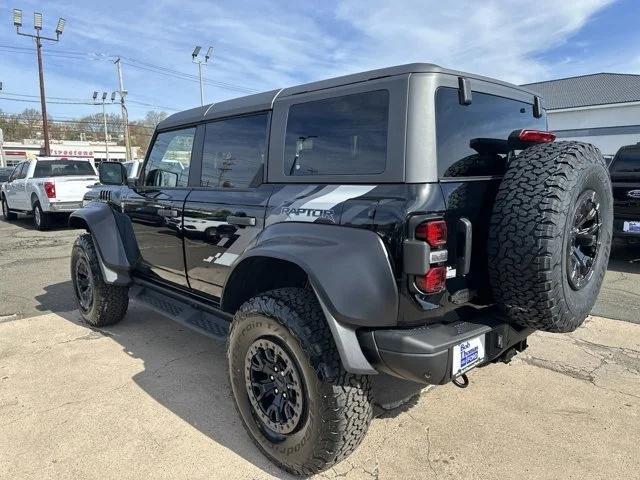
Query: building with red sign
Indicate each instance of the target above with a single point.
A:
(14, 152)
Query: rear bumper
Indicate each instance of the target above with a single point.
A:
(425, 354)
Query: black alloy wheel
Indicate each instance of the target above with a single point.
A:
(584, 242)
(83, 284)
(274, 387)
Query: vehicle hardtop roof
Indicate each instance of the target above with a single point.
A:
(264, 101)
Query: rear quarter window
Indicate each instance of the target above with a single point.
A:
(344, 135)
(488, 118)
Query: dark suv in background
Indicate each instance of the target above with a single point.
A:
(625, 179)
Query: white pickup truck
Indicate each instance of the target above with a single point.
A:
(45, 187)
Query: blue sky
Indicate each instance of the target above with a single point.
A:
(260, 45)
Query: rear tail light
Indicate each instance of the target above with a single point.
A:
(434, 232)
(50, 189)
(434, 281)
(536, 136)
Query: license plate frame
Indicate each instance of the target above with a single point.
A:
(467, 355)
(631, 226)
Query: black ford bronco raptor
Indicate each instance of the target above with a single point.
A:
(412, 221)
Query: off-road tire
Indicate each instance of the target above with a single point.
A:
(339, 406)
(530, 231)
(41, 220)
(110, 302)
(7, 215)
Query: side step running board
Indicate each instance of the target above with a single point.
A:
(183, 310)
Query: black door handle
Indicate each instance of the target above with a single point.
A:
(245, 221)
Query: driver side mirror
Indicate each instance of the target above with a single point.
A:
(112, 173)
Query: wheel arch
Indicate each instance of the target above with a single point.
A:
(113, 238)
(354, 289)
(248, 279)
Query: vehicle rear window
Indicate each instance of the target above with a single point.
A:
(626, 162)
(487, 119)
(338, 136)
(62, 168)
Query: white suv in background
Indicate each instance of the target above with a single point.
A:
(45, 187)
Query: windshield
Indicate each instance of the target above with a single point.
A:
(63, 168)
(626, 163)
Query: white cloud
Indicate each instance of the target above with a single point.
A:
(495, 38)
(264, 44)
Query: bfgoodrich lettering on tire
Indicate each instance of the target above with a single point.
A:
(550, 235)
(298, 404)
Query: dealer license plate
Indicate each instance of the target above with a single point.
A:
(467, 355)
(632, 227)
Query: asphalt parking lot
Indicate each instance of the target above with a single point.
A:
(149, 399)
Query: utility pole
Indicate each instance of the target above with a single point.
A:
(2, 160)
(125, 115)
(195, 59)
(37, 25)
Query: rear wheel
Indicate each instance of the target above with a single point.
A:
(550, 235)
(100, 304)
(296, 401)
(41, 220)
(6, 213)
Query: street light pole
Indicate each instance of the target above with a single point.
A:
(201, 86)
(106, 133)
(195, 59)
(104, 118)
(37, 25)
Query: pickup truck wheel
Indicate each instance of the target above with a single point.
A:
(40, 219)
(6, 213)
(296, 401)
(550, 235)
(100, 304)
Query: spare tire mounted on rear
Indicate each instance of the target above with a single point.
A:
(550, 235)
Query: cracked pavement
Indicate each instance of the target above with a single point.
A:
(150, 399)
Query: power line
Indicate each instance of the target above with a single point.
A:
(80, 122)
(24, 100)
(73, 101)
(132, 62)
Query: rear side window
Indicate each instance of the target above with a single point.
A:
(62, 168)
(234, 152)
(338, 136)
(626, 163)
(468, 136)
(170, 159)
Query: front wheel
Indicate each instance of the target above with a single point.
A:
(296, 401)
(100, 304)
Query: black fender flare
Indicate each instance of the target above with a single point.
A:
(350, 271)
(113, 237)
